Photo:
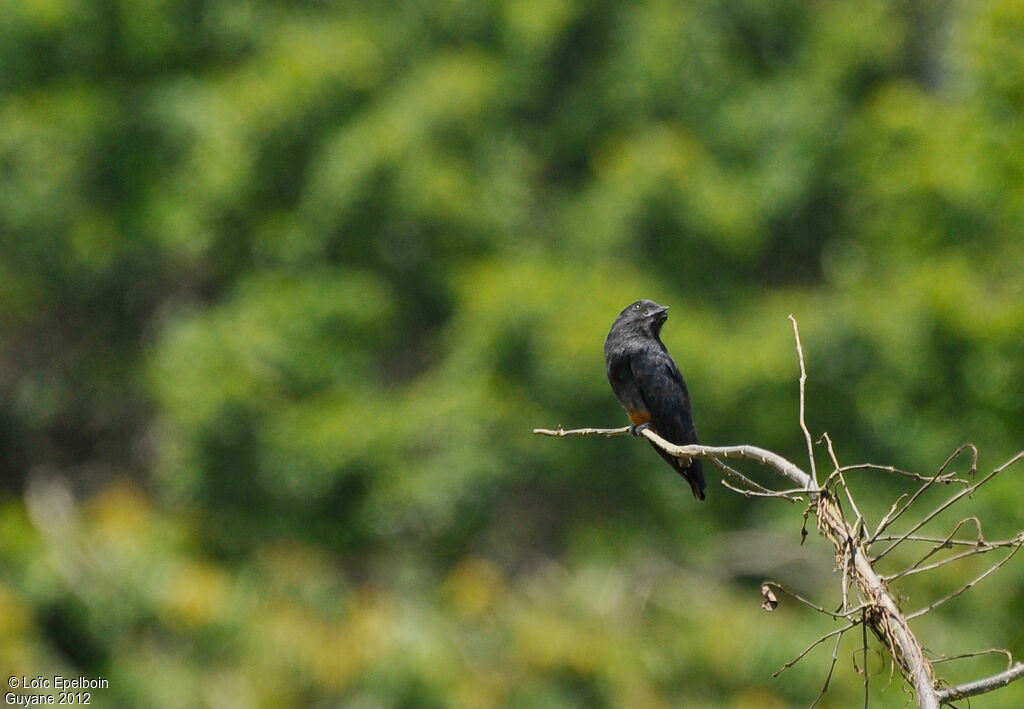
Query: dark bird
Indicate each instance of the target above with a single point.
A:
(648, 384)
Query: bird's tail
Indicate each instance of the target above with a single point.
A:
(694, 474)
(693, 471)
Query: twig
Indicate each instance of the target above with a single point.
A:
(945, 479)
(838, 472)
(803, 383)
(940, 476)
(731, 471)
(887, 521)
(810, 604)
(980, 546)
(950, 542)
(831, 669)
(953, 456)
(948, 560)
(792, 495)
(942, 544)
(838, 631)
(867, 673)
(979, 653)
(969, 584)
(945, 505)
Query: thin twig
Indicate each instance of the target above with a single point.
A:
(944, 543)
(945, 479)
(838, 631)
(967, 585)
(955, 454)
(838, 472)
(948, 560)
(945, 505)
(864, 642)
(731, 471)
(831, 669)
(803, 391)
(887, 521)
(949, 543)
(792, 495)
(811, 604)
(979, 653)
(979, 547)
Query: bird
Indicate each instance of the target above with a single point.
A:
(650, 387)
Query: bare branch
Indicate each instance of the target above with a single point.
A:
(981, 686)
(1011, 461)
(878, 608)
(886, 618)
(765, 457)
(561, 432)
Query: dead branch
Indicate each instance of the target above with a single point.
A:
(886, 619)
(878, 609)
(981, 686)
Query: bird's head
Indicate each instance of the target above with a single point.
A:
(644, 315)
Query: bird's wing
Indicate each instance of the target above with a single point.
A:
(664, 391)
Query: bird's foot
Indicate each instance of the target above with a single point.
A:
(637, 429)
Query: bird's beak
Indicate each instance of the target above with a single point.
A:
(660, 310)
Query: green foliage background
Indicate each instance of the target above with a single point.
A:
(284, 288)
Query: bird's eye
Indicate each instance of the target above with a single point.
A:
(636, 307)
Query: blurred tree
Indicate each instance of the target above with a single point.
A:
(301, 277)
